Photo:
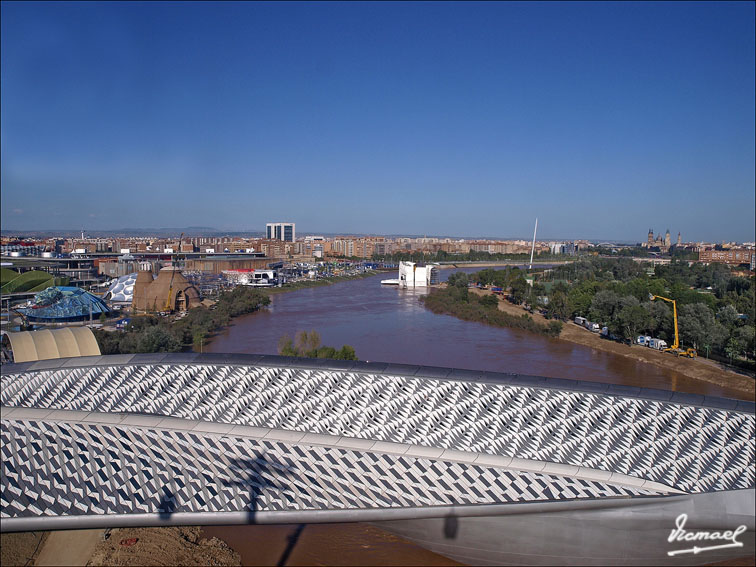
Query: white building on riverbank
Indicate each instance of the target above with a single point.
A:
(412, 275)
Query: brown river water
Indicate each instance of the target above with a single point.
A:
(386, 324)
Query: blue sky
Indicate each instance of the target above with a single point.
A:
(604, 120)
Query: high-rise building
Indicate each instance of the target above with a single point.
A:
(281, 231)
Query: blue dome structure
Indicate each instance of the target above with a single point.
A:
(63, 304)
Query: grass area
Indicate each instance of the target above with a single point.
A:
(31, 281)
(7, 275)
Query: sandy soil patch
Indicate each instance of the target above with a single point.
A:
(69, 547)
(162, 546)
(21, 548)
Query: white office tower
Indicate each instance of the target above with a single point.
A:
(412, 275)
(285, 231)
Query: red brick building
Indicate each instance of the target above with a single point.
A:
(733, 256)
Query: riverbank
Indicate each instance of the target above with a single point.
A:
(697, 369)
(304, 284)
(455, 301)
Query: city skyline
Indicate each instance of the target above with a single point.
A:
(381, 119)
(195, 232)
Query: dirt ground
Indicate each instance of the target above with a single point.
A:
(697, 369)
(323, 544)
(162, 546)
(21, 548)
(69, 547)
(316, 544)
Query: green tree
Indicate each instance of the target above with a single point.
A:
(554, 328)
(109, 342)
(458, 279)
(138, 324)
(519, 290)
(486, 277)
(631, 319)
(536, 291)
(559, 307)
(604, 306)
(346, 353)
(732, 349)
(580, 297)
(560, 286)
(157, 339)
(286, 346)
(727, 316)
(661, 323)
(307, 343)
(128, 342)
(699, 327)
(326, 352)
(744, 340)
(198, 339)
(489, 301)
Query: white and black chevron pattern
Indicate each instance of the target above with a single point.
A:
(58, 468)
(694, 449)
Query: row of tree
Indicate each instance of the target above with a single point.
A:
(715, 307)
(156, 334)
(308, 345)
(471, 256)
(456, 300)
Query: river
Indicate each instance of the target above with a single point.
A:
(387, 324)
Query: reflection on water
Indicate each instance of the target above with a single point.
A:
(387, 324)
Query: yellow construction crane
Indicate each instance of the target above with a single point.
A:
(675, 348)
(173, 273)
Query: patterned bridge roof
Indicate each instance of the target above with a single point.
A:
(168, 434)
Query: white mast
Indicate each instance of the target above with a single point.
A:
(533, 247)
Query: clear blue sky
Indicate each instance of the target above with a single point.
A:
(604, 120)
